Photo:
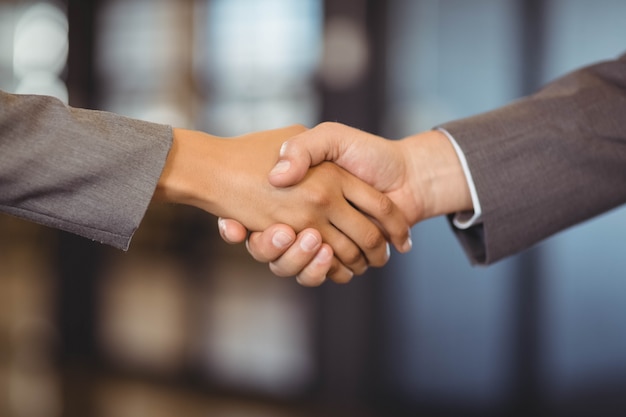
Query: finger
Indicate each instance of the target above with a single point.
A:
(346, 250)
(231, 230)
(299, 255)
(387, 216)
(322, 143)
(363, 234)
(356, 227)
(315, 272)
(339, 273)
(270, 244)
(324, 265)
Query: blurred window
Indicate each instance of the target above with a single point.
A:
(255, 63)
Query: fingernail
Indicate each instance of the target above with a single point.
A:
(221, 225)
(407, 245)
(309, 242)
(281, 239)
(283, 149)
(324, 255)
(388, 250)
(281, 167)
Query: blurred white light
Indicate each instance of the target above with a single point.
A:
(276, 41)
(41, 40)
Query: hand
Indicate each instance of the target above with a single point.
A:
(303, 255)
(384, 164)
(228, 177)
(421, 174)
(363, 154)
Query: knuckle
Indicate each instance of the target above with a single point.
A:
(319, 198)
(351, 256)
(373, 239)
(327, 125)
(385, 205)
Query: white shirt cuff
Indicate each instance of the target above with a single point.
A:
(465, 219)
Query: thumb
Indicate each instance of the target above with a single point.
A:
(305, 150)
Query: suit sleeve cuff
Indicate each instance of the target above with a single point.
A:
(465, 219)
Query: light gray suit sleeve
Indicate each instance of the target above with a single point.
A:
(87, 172)
(546, 162)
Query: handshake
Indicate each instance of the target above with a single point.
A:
(319, 203)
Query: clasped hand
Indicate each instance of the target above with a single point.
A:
(421, 174)
(350, 220)
(383, 164)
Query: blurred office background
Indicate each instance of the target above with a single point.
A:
(184, 324)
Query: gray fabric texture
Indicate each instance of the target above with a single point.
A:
(88, 172)
(546, 162)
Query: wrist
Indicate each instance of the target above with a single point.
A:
(186, 175)
(436, 174)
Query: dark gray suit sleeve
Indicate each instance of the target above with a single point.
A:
(546, 162)
(87, 172)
